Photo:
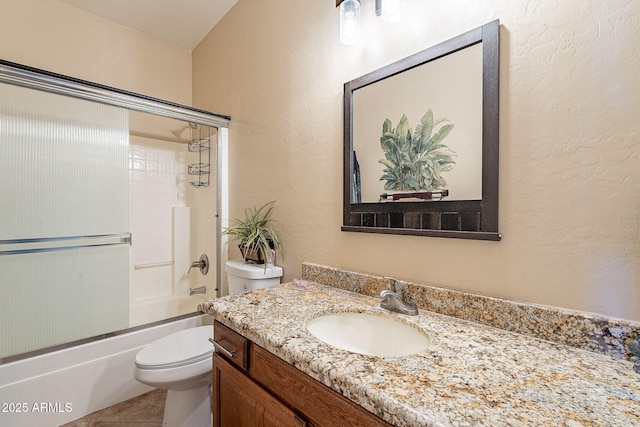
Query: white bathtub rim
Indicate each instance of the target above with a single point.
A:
(47, 363)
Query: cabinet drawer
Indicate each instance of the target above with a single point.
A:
(320, 405)
(231, 345)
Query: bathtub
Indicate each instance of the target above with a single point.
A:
(62, 386)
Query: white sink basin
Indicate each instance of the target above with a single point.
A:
(368, 334)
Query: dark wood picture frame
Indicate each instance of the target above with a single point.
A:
(465, 219)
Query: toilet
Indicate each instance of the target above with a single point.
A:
(244, 277)
(180, 363)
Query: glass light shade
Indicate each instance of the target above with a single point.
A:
(392, 10)
(349, 21)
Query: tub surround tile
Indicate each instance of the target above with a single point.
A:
(471, 375)
(582, 330)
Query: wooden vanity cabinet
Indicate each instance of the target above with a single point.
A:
(256, 388)
(241, 402)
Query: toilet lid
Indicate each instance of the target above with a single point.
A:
(178, 349)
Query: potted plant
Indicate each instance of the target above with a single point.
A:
(256, 239)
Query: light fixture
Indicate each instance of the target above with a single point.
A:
(349, 21)
(392, 10)
(350, 16)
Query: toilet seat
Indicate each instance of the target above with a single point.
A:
(178, 349)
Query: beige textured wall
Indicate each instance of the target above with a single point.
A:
(54, 36)
(569, 154)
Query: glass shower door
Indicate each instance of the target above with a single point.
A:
(64, 222)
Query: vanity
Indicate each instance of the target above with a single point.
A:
(252, 387)
(469, 374)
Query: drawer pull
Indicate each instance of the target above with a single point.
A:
(222, 350)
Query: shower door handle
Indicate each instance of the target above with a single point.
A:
(223, 350)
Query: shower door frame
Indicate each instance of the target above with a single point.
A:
(34, 78)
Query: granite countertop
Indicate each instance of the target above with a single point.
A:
(471, 375)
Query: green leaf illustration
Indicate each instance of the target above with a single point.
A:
(415, 161)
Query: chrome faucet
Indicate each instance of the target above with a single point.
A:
(393, 300)
(202, 264)
(200, 290)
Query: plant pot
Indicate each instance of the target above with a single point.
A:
(252, 254)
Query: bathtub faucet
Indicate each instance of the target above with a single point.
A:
(200, 290)
(393, 300)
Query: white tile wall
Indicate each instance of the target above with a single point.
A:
(154, 191)
(172, 224)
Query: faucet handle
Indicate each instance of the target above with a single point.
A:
(202, 264)
(396, 285)
(386, 294)
(394, 301)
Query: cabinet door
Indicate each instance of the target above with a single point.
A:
(239, 402)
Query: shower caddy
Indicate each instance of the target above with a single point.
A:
(202, 146)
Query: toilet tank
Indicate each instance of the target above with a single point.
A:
(245, 277)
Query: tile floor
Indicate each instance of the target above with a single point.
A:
(142, 411)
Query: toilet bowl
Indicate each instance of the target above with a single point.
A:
(181, 364)
(245, 277)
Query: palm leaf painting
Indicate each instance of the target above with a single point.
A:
(415, 161)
